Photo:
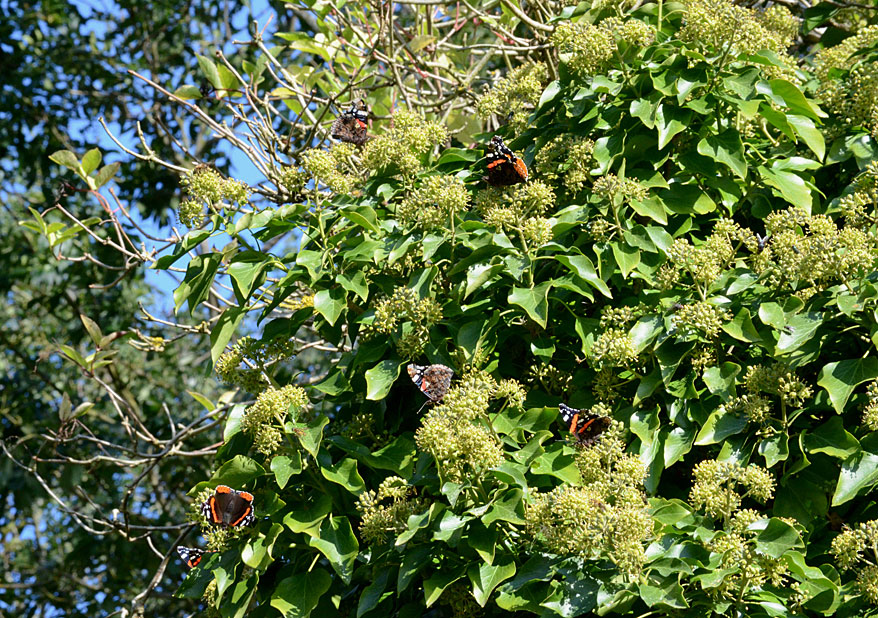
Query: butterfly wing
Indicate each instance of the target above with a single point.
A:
(432, 380)
(190, 555)
(585, 426)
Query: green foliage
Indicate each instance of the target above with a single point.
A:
(685, 258)
(694, 255)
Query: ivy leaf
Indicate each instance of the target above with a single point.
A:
(297, 596)
(345, 473)
(858, 473)
(237, 472)
(330, 303)
(486, 577)
(726, 148)
(380, 379)
(337, 542)
(842, 377)
(534, 301)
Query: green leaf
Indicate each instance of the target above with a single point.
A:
(741, 328)
(91, 160)
(247, 271)
(94, 331)
(187, 92)
(337, 542)
(627, 258)
(478, 275)
(584, 268)
(670, 120)
(198, 280)
(775, 537)
(204, 401)
(373, 593)
(224, 329)
(533, 300)
(726, 148)
(858, 473)
(236, 605)
(106, 174)
(233, 421)
(307, 516)
(237, 472)
(842, 377)
(483, 540)
(486, 577)
(313, 435)
(831, 438)
(66, 159)
(438, 582)
(719, 426)
(208, 69)
(330, 303)
(415, 559)
(787, 93)
(380, 379)
(297, 596)
(345, 473)
(810, 134)
(508, 506)
(285, 467)
(721, 379)
(790, 185)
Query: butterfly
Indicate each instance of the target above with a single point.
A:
(192, 555)
(504, 168)
(229, 507)
(588, 428)
(351, 125)
(432, 380)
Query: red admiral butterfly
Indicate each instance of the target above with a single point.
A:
(504, 168)
(351, 125)
(229, 507)
(192, 555)
(587, 427)
(433, 380)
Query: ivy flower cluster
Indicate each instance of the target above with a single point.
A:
(704, 263)
(520, 209)
(870, 411)
(723, 27)
(605, 517)
(257, 353)
(746, 568)
(550, 378)
(720, 486)
(587, 49)
(810, 249)
(332, 168)
(701, 318)
(266, 418)
(520, 90)
(403, 145)
(207, 191)
(416, 315)
(858, 206)
(463, 447)
(460, 601)
(566, 162)
(853, 97)
(385, 512)
(855, 548)
(435, 202)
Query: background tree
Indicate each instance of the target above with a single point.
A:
(692, 256)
